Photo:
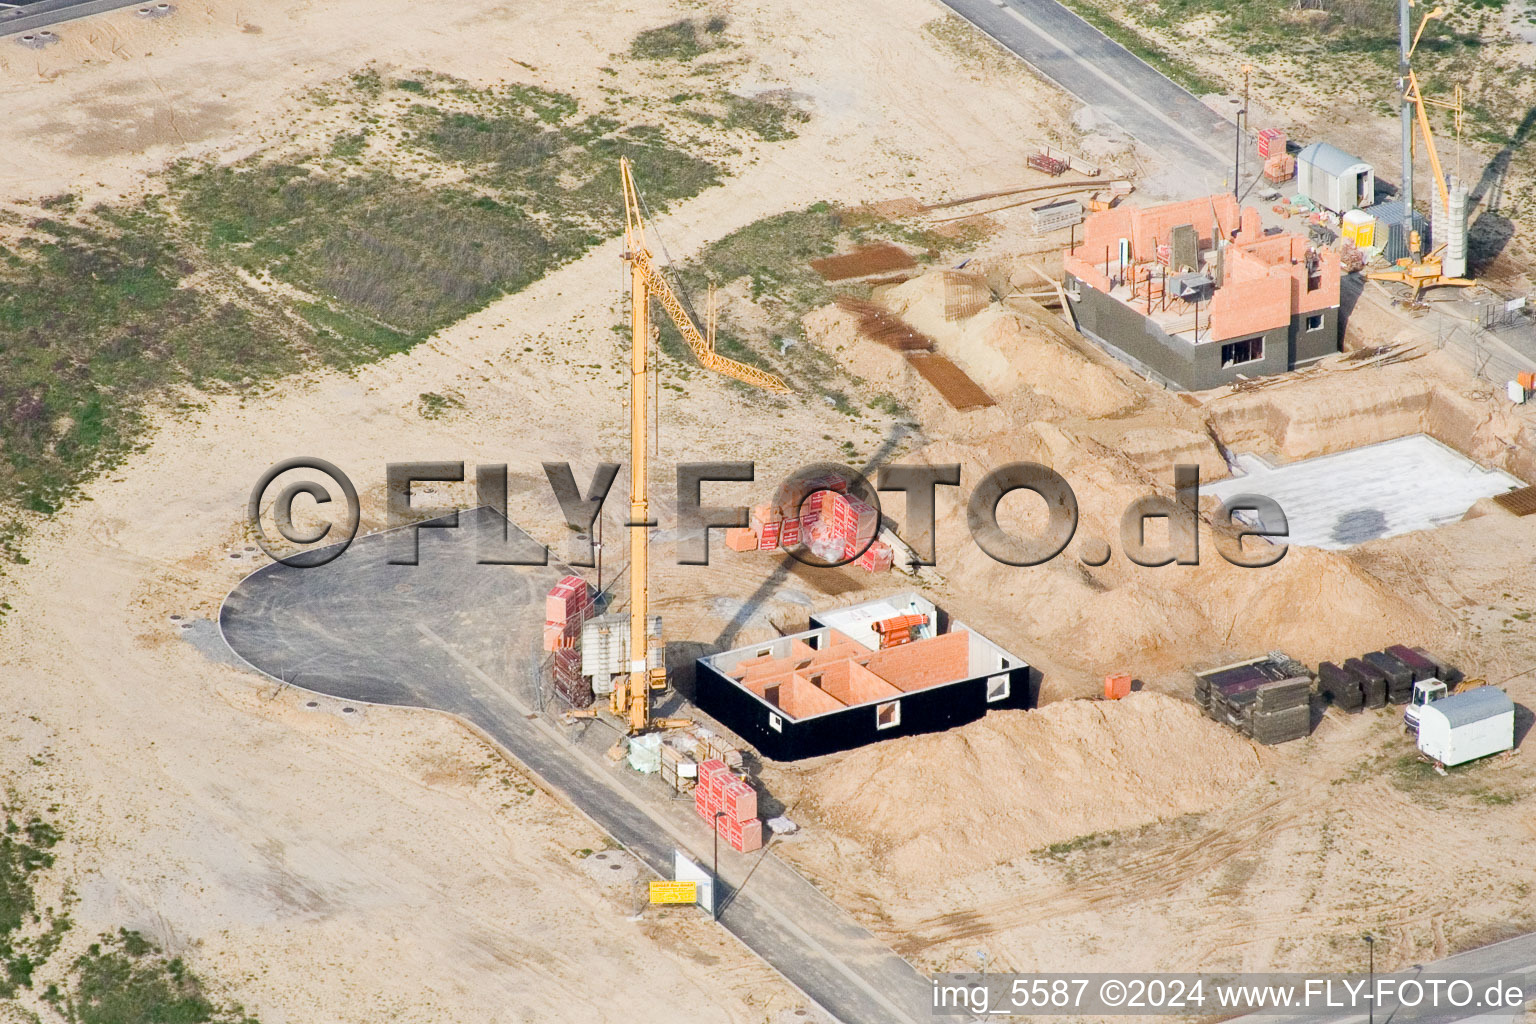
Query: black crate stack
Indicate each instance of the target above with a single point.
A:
(1399, 676)
(1269, 699)
(1341, 686)
(1373, 682)
(1381, 677)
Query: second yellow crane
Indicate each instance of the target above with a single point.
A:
(1418, 270)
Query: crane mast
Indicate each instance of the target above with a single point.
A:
(632, 689)
(631, 692)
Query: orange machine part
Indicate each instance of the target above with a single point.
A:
(898, 631)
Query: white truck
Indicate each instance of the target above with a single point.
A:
(1425, 691)
(1466, 726)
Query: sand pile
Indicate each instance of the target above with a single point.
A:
(1005, 351)
(1115, 439)
(931, 807)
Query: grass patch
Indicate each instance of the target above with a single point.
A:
(231, 276)
(432, 406)
(1091, 841)
(772, 256)
(769, 117)
(680, 40)
(28, 935)
(126, 979)
(94, 318)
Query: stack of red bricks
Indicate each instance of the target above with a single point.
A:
(830, 522)
(568, 605)
(719, 791)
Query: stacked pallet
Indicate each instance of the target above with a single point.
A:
(1279, 168)
(1268, 698)
(709, 747)
(1282, 711)
(1340, 686)
(729, 804)
(1381, 677)
(1373, 682)
(831, 523)
(1399, 676)
(568, 605)
(678, 767)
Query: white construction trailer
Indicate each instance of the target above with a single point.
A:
(1333, 179)
(1467, 726)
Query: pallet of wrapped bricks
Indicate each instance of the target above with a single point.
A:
(738, 800)
(878, 557)
(1373, 682)
(568, 598)
(712, 779)
(743, 836)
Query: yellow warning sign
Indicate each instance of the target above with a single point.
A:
(674, 892)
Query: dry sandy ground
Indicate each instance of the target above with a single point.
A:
(317, 867)
(328, 870)
(1051, 838)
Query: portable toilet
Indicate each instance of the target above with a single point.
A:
(1464, 727)
(1358, 229)
(1333, 179)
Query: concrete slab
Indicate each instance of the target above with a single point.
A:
(1382, 490)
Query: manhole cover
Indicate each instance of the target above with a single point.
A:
(349, 711)
(312, 704)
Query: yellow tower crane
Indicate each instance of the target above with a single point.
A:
(632, 689)
(1425, 271)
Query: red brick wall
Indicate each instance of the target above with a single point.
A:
(924, 663)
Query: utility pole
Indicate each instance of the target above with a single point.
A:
(714, 886)
(1404, 46)
(1237, 145)
(1370, 944)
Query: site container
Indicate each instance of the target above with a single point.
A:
(1461, 728)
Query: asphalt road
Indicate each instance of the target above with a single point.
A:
(1511, 960)
(25, 15)
(1106, 76)
(463, 638)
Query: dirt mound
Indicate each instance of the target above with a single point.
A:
(1006, 351)
(931, 807)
